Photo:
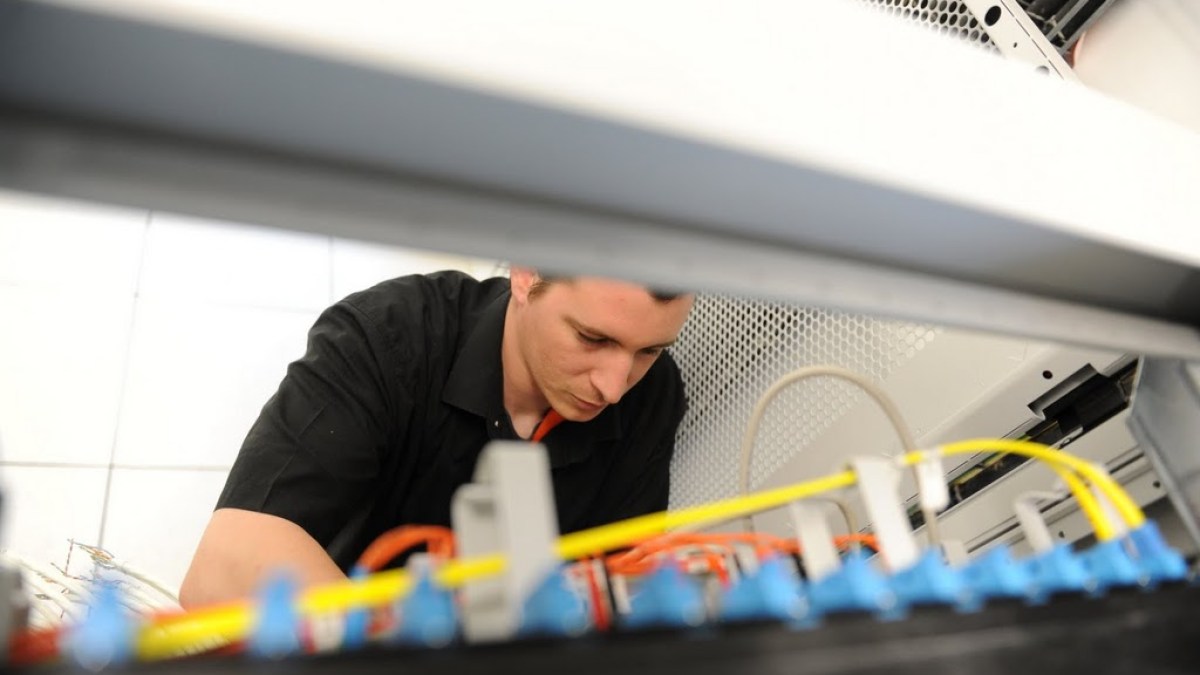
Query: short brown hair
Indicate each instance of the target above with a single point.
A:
(542, 283)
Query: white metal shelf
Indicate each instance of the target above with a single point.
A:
(611, 143)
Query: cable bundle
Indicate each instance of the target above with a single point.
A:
(650, 548)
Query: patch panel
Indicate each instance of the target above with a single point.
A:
(661, 577)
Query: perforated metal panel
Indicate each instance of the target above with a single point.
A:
(733, 349)
(944, 16)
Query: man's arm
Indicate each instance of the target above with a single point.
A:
(240, 549)
(308, 462)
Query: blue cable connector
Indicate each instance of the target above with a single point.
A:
(856, 586)
(275, 633)
(427, 615)
(996, 574)
(774, 592)
(1109, 565)
(667, 598)
(106, 637)
(554, 609)
(931, 581)
(1158, 561)
(1058, 570)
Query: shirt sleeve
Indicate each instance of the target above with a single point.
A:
(314, 453)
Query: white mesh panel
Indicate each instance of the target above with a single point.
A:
(733, 349)
(944, 16)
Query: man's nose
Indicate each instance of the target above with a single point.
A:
(611, 378)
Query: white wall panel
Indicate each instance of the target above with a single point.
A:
(238, 264)
(45, 507)
(58, 243)
(62, 360)
(359, 265)
(198, 376)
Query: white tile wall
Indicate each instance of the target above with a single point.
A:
(44, 507)
(162, 544)
(142, 347)
(187, 258)
(359, 265)
(198, 376)
(54, 243)
(62, 360)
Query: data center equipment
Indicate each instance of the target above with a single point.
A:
(1009, 533)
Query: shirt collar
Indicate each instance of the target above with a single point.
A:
(476, 380)
(476, 385)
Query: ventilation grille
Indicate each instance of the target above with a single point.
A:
(947, 18)
(733, 349)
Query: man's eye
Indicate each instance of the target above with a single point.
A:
(591, 339)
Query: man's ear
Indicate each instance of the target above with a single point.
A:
(521, 280)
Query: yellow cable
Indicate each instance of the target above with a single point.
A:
(625, 532)
(175, 635)
(166, 639)
(1087, 501)
(1129, 511)
(458, 572)
(1088, 504)
(172, 636)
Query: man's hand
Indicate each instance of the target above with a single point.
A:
(240, 549)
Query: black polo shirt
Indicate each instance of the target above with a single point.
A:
(401, 387)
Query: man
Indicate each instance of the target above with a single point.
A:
(401, 387)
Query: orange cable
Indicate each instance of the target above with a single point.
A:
(599, 604)
(551, 420)
(439, 540)
(635, 560)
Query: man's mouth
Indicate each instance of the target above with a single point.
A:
(588, 405)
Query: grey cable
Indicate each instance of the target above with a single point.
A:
(881, 398)
(847, 515)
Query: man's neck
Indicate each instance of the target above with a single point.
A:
(523, 401)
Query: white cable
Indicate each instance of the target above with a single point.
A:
(45, 592)
(847, 515)
(152, 583)
(817, 547)
(77, 588)
(136, 600)
(1029, 517)
(621, 596)
(48, 618)
(139, 593)
(907, 441)
(44, 582)
(107, 560)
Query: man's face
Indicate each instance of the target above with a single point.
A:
(586, 341)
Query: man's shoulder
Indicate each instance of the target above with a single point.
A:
(424, 299)
(656, 405)
(665, 369)
(662, 384)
